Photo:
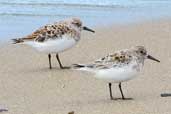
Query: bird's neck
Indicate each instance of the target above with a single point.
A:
(137, 64)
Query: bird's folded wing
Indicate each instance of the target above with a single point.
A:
(114, 60)
(51, 31)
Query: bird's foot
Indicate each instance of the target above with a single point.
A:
(65, 67)
(121, 98)
(127, 98)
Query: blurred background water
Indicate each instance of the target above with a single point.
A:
(21, 17)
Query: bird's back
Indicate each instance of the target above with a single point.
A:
(50, 32)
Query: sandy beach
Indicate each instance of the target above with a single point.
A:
(27, 86)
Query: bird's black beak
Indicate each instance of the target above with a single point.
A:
(152, 58)
(88, 29)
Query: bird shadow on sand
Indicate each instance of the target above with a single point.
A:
(97, 102)
(46, 70)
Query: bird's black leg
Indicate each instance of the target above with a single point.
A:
(110, 90)
(121, 91)
(50, 66)
(60, 64)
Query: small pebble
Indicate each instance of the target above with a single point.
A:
(3, 110)
(166, 95)
(72, 112)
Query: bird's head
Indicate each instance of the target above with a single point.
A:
(141, 52)
(77, 23)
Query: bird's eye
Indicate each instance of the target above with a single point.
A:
(141, 52)
(77, 24)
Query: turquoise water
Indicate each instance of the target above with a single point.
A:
(20, 17)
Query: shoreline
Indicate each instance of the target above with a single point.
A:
(109, 25)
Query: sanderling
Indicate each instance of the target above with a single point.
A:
(118, 67)
(55, 38)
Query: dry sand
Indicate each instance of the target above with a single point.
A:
(27, 86)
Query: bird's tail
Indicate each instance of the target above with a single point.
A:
(78, 66)
(17, 40)
(83, 67)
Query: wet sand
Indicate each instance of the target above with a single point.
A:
(27, 86)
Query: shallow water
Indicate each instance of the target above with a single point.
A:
(18, 17)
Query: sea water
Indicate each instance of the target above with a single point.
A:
(21, 17)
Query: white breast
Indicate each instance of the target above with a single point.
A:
(117, 75)
(53, 46)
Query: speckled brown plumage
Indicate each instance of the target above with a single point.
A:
(54, 31)
(119, 58)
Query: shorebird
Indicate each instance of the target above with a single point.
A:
(118, 67)
(55, 38)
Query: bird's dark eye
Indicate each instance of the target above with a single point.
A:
(142, 52)
(77, 24)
